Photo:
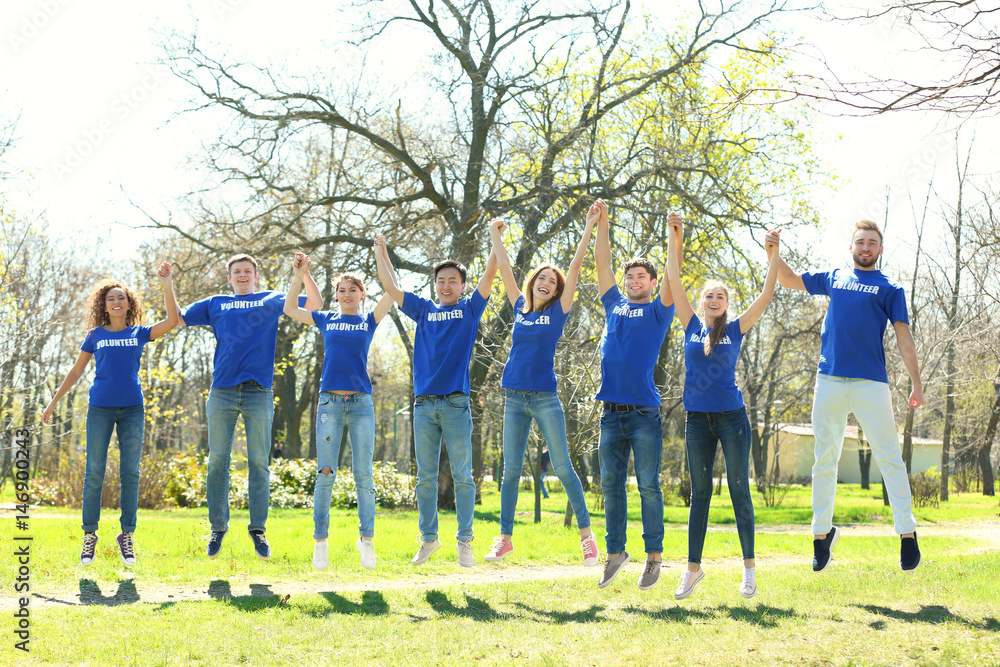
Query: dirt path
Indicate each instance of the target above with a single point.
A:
(127, 591)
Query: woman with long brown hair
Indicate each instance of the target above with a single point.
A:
(115, 339)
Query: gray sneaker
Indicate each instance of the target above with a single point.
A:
(612, 568)
(650, 575)
(425, 551)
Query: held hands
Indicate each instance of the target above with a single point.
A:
(601, 210)
(676, 223)
(379, 246)
(772, 242)
(594, 214)
(301, 263)
(499, 225)
(164, 274)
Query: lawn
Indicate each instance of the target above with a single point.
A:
(540, 606)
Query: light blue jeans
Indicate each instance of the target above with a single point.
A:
(546, 409)
(256, 404)
(356, 413)
(448, 418)
(129, 422)
(638, 432)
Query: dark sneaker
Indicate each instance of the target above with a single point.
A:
(823, 549)
(215, 543)
(126, 548)
(650, 575)
(613, 567)
(260, 545)
(89, 547)
(909, 553)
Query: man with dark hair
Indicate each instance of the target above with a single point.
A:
(245, 325)
(636, 325)
(442, 349)
(852, 378)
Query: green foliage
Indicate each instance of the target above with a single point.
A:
(926, 488)
(393, 490)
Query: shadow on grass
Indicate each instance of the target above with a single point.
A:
(261, 596)
(372, 604)
(932, 614)
(762, 615)
(90, 593)
(589, 615)
(474, 608)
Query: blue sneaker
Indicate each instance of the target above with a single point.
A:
(215, 543)
(260, 545)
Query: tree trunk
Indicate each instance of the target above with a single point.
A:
(986, 448)
(865, 461)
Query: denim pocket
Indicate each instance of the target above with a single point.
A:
(325, 398)
(458, 400)
(419, 400)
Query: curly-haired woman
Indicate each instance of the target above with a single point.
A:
(115, 339)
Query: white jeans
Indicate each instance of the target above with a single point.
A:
(871, 404)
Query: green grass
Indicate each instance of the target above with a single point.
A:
(862, 610)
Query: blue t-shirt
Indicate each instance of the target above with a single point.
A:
(710, 381)
(246, 333)
(442, 346)
(531, 363)
(116, 365)
(861, 304)
(346, 340)
(630, 347)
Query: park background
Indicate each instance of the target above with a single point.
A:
(133, 135)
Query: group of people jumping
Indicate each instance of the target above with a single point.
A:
(851, 378)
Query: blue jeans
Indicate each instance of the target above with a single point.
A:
(702, 433)
(356, 413)
(129, 422)
(256, 404)
(639, 432)
(434, 418)
(547, 411)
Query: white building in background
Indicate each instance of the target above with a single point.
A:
(795, 443)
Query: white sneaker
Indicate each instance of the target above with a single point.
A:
(367, 550)
(748, 588)
(425, 551)
(465, 558)
(320, 559)
(689, 581)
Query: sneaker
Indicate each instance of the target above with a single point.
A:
(425, 551)
(689, 581)
(215, 543)
(590, 551)
(500, 548)
(367, 550)
(321, 559)
(748, 588)
(612, 568)
(126, 548)
(89, 547)
(909, 553)
(465, 558)
(823, 549)
(650, 575)
(260, 545)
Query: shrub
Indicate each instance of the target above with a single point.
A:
(65, 487)
(186, 485)
(925, 487)
(392, 489)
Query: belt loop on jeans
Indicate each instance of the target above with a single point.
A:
(620, 407)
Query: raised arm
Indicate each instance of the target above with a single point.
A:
(169, 300)
(485, 285)
(666, 295)
(787, 278)
(573, 276)
(675, 240)
(772, 245)
(67, 384)
(386, 274)
(383, 307)
(908, 350)
(497, 227)
(300, 265)
(314, 298)
(602, 249)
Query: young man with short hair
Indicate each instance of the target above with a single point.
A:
(442, 350)
(852, 378)
(635, 327)
(245, 325)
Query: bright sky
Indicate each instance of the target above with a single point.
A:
(94, 106)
